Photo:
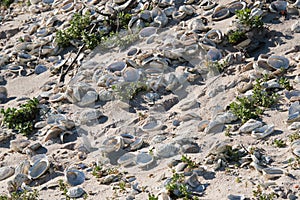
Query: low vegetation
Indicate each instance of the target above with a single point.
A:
(21, 195)
(127, 91)
(21, 119)
(6, 3)
(236, 36)
(251, 107)
(245, 18)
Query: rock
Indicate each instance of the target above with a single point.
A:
(166, 150)
(6, 172)
(90, 116)
(19, 145)
(75, 192)
(39, 69)
(250, 125)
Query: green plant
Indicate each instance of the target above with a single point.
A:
(284, 82)
(123, 20)
(152, 197)
(279, 143)
(227, 131)
(191, 164)
(250, 107)
(6, 3)
(260, 195)
(177, 182)
(127, 91)
(294, 136)
(78, 29)
(63, 188)
(235, 37)
(21, 119)
(246, 19)
(22, 195)
(122, 185)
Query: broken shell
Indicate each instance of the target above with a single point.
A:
(19, 144)
(294, 112)
(57, 97)
(272, 173)
(152, 125)
(23, 167)
(263, 131)
(220, 14)
(127, 159)
(6, 172)
(138, 143)
(207, 4)
(233, 7)
(39, 168)
(74, 177)
(296, 150)
(54, 132)
(75, 192)
(278, 62)
(143, 160)
(250, 125)
(193, 180)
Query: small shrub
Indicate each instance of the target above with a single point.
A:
(245, 19)
(284, 82)
(177, 183)
(127, 91)
(279, 143)
(260, 195)
(191, 164)
(6, 3)
(235, 37)
(21, 119)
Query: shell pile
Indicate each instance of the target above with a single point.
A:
(148, 88)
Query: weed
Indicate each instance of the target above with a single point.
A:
(63, 188)
(22, 195)
(227, 131)
(78, 29)
(152, 197)
(250, 107)
(122, 185)
(294, 136)
(177, 184)
(191, 164)
(260, 195)
(235, 37)
(6, 3)
(245, 19)
(284, 82)
(127, 91)
(21, 119)
(238, 180)
(279, 143)
(123, 19)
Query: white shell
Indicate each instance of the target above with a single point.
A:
(214, 35)
(136, 144)
(74, 177)
(294, 112)
(278, 6)
(6, 172)
(152, 125)
(263, 131)
(144, 160)
(236, 6)
(39, 168)
(75, 192)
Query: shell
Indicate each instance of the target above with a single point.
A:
(207, 4)
(143, 160)
(74, 177)
(214, 35)
(131, 74)
(116, 66)
(54, 132)
(220, 14)
(152, 125)
(166, 150)
(147, 32)
(214, 54)
(278, 6)
(19, 144)
(263, 131)
(127, 159)
(23, 167)
(138, 143)
(39, 168)
(250, 125)
(112, 144)
(75, 192)
(233, 7)
(193, 180)
(6, 172)
(272, 173)
(278, 62)
(67, 6)
(294, 112)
